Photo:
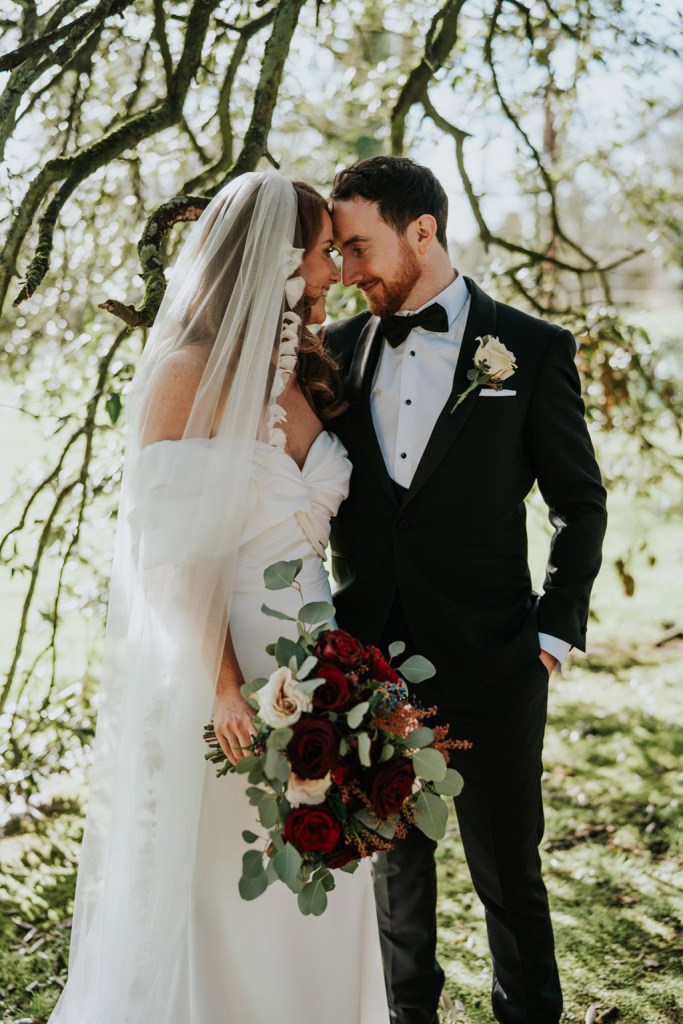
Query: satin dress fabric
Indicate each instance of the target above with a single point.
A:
(259, 961)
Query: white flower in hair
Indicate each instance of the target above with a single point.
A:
(294, 289)
(293, 259)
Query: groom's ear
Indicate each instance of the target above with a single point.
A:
(423, 230)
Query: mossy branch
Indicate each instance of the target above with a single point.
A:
(225, 160)
(77, 167)
(255, 147)
(178, 210)
(277, 48)
(440, 40)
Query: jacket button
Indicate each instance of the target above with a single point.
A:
(403, 524)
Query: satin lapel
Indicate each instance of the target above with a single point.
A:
(481, 320)
(359, 384)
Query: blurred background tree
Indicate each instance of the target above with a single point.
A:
(554, 125)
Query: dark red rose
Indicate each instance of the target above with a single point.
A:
(314, 748)
(378, 666)
(335, 694)
(342, 855)
(340, 648)
(342, 773)
(313, 829)
(389, 784)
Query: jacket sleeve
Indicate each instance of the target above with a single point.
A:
(569, 480)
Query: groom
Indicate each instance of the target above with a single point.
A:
(430, 548)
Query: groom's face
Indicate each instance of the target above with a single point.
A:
(376, 259)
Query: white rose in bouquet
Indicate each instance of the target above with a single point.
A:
(280, 701)
(307, 791)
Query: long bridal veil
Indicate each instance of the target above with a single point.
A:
(178, 529)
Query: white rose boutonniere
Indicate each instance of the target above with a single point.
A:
(493, 363)
(280, 700)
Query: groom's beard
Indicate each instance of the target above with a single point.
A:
(388, 296)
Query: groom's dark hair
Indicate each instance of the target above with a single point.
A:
(402, 189)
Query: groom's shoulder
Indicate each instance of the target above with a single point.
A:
(340, 337)
(522, 326)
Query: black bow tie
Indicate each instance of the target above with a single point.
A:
(397, 328)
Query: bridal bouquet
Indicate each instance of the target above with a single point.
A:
(342, 763)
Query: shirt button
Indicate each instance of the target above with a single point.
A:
(412, 351)
(404, 455)
(408, 401)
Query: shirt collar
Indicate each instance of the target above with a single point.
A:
(452, 298)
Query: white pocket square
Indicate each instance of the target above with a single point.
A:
(492, 393)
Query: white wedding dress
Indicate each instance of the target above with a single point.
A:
(262, 961)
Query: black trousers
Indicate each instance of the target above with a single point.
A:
(500, 815)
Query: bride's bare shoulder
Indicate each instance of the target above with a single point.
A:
(172, 391)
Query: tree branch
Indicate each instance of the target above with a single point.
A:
(255, 147)
(82, 164)
(225, 160)
(438, 44)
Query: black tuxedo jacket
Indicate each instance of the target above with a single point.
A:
(454, 547)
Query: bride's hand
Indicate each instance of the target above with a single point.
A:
(233, 725)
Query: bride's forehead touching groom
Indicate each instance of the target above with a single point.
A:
(457, 405)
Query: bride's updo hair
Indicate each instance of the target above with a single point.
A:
(317, 371)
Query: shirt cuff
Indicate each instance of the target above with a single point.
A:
(553, 645)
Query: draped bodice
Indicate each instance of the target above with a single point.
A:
(169, 518)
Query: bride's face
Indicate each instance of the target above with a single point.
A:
(319, 271)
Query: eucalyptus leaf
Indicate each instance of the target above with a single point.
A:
(281, 575)
(350, 867)
(306, 638)
(312, 899)
(287, 863)
(275, 614)
(431, 815)
(256, 774)
(307, 666)
(255, 795)
(343, 746)
(316, 612)
(430, 764)
(279, 738)
(451, 784)
(396, 648)
(364, 749)
(420, 737)
(388, 751)
(249, 837)
(252, 864)
(245, 764)
(268, 810)
(417, 669)
(276, 766)
(250, 888)
(385, 829)
(356, 714)
(285, 649)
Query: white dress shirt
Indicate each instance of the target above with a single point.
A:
(412, 384)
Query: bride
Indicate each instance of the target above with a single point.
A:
(228, 469)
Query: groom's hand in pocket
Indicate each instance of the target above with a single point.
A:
(549, 661)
